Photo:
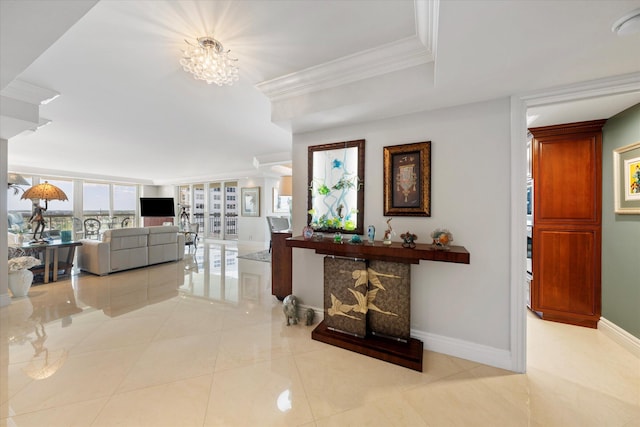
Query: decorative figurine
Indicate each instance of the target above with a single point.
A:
(337, 238)
(355, 240)
(37, 220)
(442, 238)
(371, 234)
(387, 233)
(290, 309)
(307, 233)
(408, 240)
(309, 314)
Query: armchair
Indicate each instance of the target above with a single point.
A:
(277, 224)
(91, 228)
(191, 236)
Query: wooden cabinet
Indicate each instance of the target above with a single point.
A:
(567, 179)
(280, 265)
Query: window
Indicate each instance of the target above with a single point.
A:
(124, 198)
(96, 201)
(14, 201)
(124, 204)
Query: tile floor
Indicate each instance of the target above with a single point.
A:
(203, 343)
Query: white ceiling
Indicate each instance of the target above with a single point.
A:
(128, 110)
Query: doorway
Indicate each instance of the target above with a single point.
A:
(520, 104)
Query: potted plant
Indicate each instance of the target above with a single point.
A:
(20, 277)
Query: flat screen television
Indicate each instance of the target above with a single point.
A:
(157, 206)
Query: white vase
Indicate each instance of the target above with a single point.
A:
(20, 282)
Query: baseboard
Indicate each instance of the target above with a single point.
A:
(619, 335)
(453, 347)
(465, 349)
(5, 299)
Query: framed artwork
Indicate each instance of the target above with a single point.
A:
(250, 205)
(280, 203)
(407, 179)
(626, 179)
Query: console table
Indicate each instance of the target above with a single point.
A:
(280, 265)
(50, 247)
(391, 264)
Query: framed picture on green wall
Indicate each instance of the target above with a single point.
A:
(626, 179)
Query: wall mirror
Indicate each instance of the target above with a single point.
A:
(336, 187)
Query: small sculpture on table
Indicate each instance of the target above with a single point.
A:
(387, 233)
(408, 240)
(442, 238)
(371, 234)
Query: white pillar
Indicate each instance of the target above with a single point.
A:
(4, 242)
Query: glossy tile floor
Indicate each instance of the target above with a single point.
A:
(202, 343)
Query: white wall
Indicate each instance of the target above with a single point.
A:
(458, 309)
(158, 191)
(254, 229)
(4, 240)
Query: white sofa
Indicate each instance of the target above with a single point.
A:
(126, 248)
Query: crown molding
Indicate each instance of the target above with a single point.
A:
(384, 59)
(398, 55)
(62, 174)
(626, 83)
(27, 92)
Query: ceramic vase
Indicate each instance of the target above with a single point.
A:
(371, 234)
(20, 239)
(20, 282)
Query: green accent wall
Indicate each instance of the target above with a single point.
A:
(620, 233)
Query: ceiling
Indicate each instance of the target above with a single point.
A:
(127, 110)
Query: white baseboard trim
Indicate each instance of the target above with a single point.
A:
(5, 299)
(465, 349)
(619, 335)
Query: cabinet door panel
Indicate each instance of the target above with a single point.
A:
(567, 272)
(566, 179)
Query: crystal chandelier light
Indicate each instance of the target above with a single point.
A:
(209, 62)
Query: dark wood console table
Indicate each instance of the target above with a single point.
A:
(280, 265)
(407, 352)
(393, 252)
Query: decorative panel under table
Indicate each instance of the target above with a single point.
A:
(345, 295)
(389, 299)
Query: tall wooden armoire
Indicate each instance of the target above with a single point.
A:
(567, 185)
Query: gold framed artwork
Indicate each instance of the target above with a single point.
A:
(407, 179)
(626, 179)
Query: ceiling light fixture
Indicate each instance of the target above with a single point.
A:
(209, 62)
(628, 24)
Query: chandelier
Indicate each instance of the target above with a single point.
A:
(209, 62)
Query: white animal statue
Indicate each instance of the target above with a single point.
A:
(290, 309)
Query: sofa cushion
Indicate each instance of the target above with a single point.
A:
(126, 238)
(163, 235)
(126, 259)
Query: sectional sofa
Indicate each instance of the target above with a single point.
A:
(126, 248)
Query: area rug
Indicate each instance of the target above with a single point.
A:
(263, 256)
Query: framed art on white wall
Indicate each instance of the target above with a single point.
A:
(250, 201)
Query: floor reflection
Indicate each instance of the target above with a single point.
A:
(202, 342)
(120, 293)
